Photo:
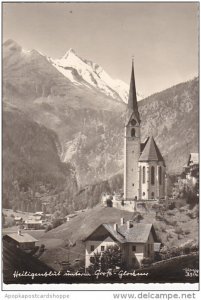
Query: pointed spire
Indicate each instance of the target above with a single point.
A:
(132, 98)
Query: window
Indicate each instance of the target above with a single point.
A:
(143, 175)
(102, 248)
(133, 248)
(133, 132)
(92, 247)
(160, 175)
(152, 175)
(132, 184)
(143, 194)
(152, 195)
(133, 122)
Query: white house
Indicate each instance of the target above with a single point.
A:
(191, 169)
(136, 242)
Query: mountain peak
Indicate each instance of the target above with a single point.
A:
(70, 51)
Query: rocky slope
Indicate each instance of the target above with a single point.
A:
(31, 164)
(90, 124)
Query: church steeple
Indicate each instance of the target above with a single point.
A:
(132, 98)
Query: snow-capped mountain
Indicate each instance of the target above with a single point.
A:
(85, 72)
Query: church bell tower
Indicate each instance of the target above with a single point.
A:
(131, 144)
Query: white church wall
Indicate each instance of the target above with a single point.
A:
(131, 157)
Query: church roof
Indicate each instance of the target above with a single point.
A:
(132, 98)
(151, 151)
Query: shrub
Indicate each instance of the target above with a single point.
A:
(179, 230)
(109, 259)
(48, 228)
(187, 250)
(56, 223)
(194, 248)
(146, 261)
(171, 206)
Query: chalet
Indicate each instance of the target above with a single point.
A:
(136, 242)
(24, 241)
(33, 224)
(191, 169)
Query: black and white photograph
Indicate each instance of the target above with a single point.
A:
(100, 143)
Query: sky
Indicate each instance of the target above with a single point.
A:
(162, 37)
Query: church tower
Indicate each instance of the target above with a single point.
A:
(131, 144)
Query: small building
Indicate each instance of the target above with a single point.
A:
(24, 241)
(136, 242)
(18, 220)
(69, 217)
(33, 224)
(191, 169)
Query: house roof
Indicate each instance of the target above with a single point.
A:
(193, 159)
(18, 218)
(22, 238)
(139, 233)
(33, 221)
(151, 151)
(17, 259)
(39, 213)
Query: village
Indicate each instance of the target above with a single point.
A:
(128, 244)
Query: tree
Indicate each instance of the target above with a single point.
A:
(109, 259)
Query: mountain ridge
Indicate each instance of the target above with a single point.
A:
(90, 124)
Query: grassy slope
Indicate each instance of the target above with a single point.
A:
(83, 224)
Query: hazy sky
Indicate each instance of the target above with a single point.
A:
(163, 37)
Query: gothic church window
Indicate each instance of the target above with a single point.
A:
(152, 175)
(143, 175)
(160, 175)
(133, 132)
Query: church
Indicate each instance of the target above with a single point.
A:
(144, 166)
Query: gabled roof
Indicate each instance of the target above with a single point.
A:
(33, 221)
(18, 218)
(22, 238)
(132, 106)
(151, 151)
(139, 233)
